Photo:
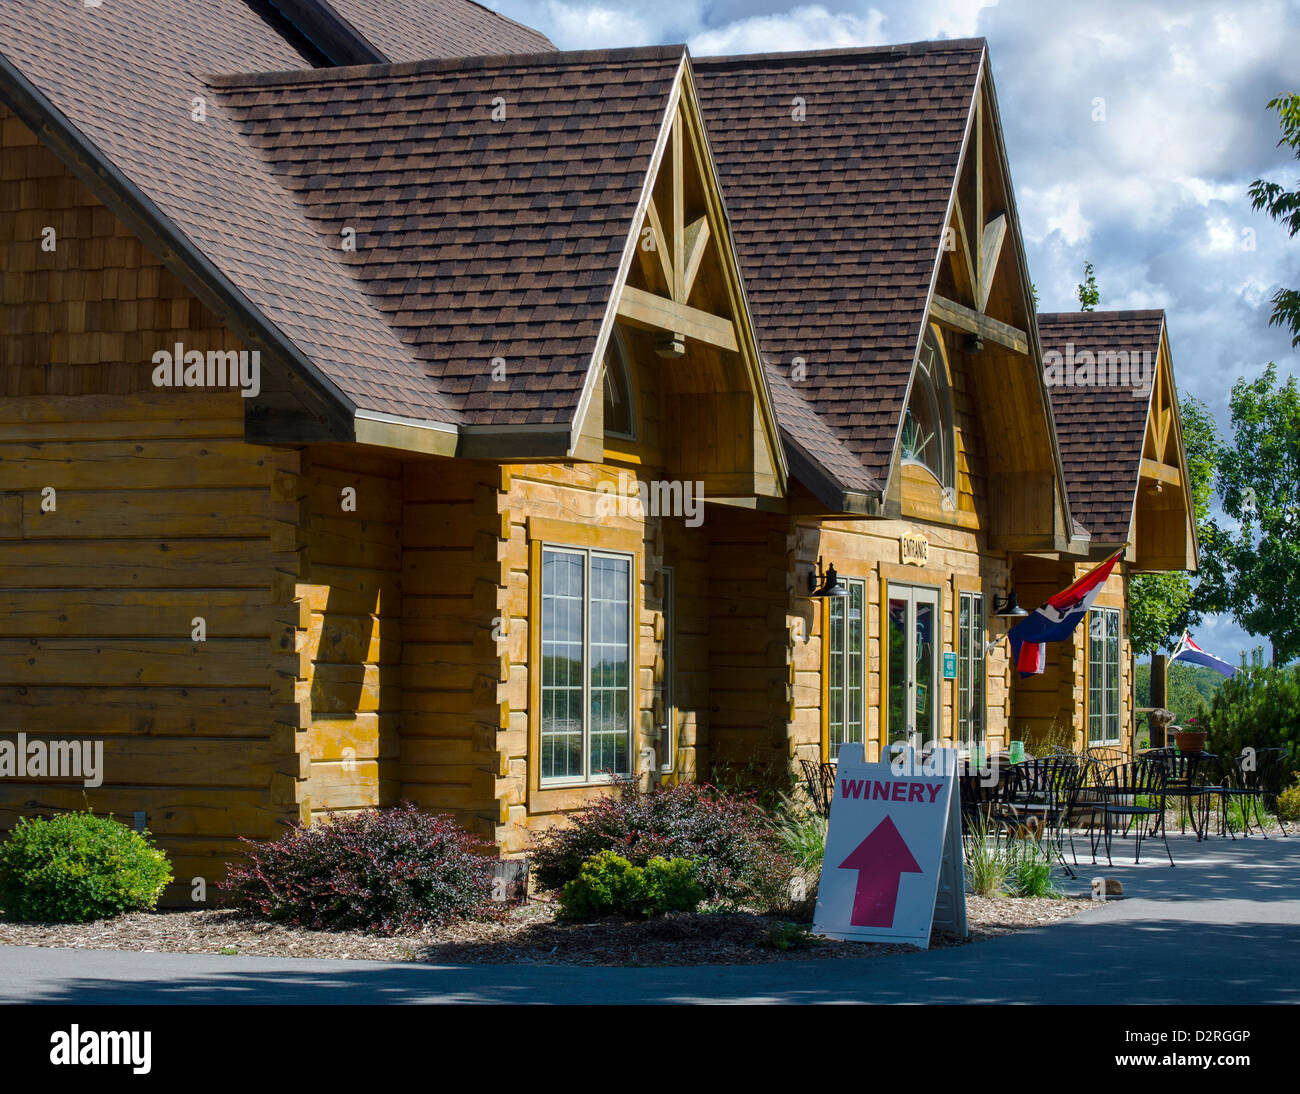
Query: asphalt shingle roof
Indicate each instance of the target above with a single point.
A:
(839, 217)
(1101, 427)
(476, 238)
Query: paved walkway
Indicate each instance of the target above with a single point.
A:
(1223, 927)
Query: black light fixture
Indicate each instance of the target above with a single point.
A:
(830, 582)
(1005, 607)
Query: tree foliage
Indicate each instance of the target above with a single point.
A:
(1163, 605)
(1283, 205)
(1088, 293)
(1256, 566)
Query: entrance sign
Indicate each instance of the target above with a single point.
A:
(914, 549)
(893, 850)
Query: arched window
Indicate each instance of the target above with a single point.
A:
(927, 439)
(620, 411)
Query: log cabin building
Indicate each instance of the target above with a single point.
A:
(396, 408)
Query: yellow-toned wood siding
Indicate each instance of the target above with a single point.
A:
(162, 514)
(351, 585)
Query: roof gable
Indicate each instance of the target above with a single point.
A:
(489, 202)
(1110, 375)
(838, 168)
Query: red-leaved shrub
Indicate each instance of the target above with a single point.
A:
(383, 871)
(729, 836)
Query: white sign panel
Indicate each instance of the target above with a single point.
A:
(885, 850)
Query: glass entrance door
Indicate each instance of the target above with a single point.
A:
(912, 632)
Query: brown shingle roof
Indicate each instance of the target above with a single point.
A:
(415, 30)
(126, 75)
(839, 218)
(1101, 427)
(476, 238)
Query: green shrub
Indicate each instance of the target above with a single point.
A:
(77, 867)
(610, 885)
(1257, 708)
(731, 838)
(1288, 803)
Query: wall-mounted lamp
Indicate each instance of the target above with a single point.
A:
(829, 582)
(1005, 607)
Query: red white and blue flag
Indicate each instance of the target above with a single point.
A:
(1055, 621)
(1189, 651)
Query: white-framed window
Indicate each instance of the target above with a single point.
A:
(846, 667)
(586, 672)
(1103, 676)
(970, 671)
(927, 436)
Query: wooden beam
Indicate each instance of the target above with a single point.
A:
(959, 317)
(660, 258)
(979, 184)
(697, 239)
(679, 210)
(963, 269)
(995, 231)
(1161, 472)
(643, 309)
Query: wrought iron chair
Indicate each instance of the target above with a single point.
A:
(1189, 780)
(1110, 755)
(1135, 793)
(1089, 809)
(819, 782)
(986, 797)
(1047, 789)
(1251, 778)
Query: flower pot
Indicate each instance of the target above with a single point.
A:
(1189, 740)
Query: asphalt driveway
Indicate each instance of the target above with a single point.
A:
(1223, 928)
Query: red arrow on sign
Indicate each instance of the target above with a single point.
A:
(881, 860)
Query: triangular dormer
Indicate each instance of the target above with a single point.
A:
(678, 344)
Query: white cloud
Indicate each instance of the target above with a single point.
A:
(803, 28)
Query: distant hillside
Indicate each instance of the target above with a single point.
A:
(1189, 686)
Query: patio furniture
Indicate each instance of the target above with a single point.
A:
(985, 796)
(1188, 779)
(1089, 808)
(1135, 793)
(819, 782)
(1249, 779)
(1110, 755)
(1046, 789)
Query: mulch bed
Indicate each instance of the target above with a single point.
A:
(527, 934)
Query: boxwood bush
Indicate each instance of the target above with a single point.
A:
(608, 884)
(76, 867)
(732, 841)
(383, 871)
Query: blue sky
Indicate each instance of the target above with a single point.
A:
(1154, 195)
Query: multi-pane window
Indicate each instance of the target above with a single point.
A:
(970, 670)
(1103, 676)
(846, 667)
(586, 684)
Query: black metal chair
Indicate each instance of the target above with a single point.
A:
(986, 797)
(1189, 780)
(1089, 808)
(1109, 755)
(819, 782)
(1251, 779)
(1047, 789)
(1135, 793)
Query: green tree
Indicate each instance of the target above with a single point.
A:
(1256, 567)
(1283, 205)
(1163, 605)
(1088, 293)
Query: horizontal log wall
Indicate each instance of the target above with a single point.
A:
(160, 514)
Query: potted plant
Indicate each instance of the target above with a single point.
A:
(1191, 739)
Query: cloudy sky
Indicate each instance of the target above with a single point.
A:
(1154, 195)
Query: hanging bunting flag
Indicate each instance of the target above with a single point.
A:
(1055, 621)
